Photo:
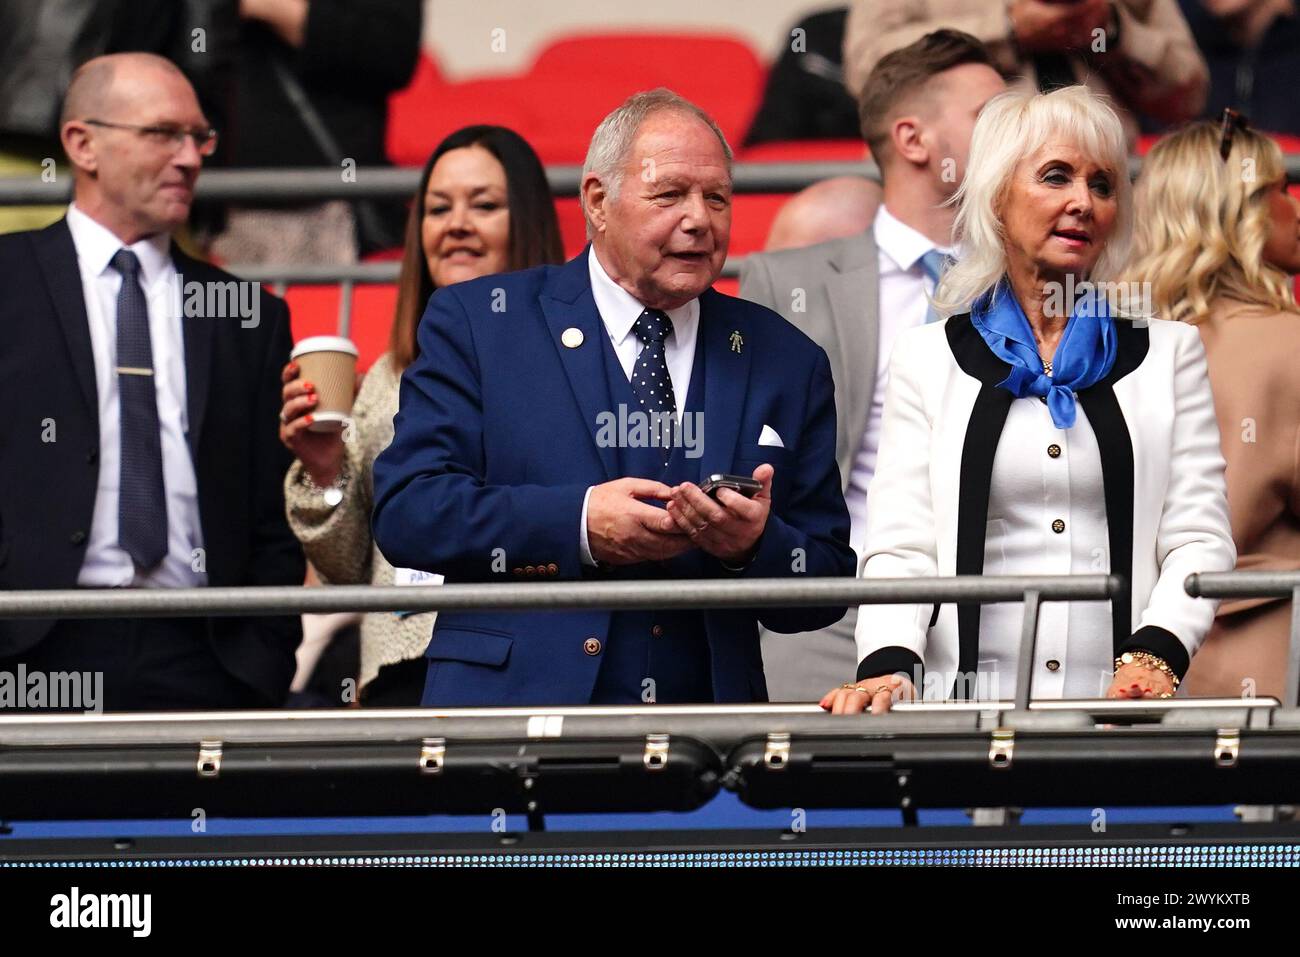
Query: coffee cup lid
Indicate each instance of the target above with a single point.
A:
(324, 344)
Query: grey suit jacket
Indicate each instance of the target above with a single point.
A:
(831, 292)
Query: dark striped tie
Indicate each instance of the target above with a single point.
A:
(650, 380)
(142, 501)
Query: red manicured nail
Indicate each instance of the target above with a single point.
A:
(308, 419)
(311, 397)
(309, 387)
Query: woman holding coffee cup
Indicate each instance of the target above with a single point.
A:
(483, 206)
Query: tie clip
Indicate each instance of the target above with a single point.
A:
(133, 370)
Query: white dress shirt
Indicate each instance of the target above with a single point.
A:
(903, 304)
(106, 565)
(619, 311)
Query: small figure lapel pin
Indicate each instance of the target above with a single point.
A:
(737, 341)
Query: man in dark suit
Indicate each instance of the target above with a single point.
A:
(138, 447)
(558, 420)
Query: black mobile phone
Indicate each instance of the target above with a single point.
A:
(747, 487)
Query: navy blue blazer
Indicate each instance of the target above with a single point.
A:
(495, 447)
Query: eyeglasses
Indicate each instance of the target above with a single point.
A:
(169, 135)
(1232, 121)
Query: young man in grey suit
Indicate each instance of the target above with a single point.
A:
(853, 296)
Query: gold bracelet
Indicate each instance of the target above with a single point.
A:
(1149, 661)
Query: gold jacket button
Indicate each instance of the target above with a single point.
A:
(518, 571)
(553, 568)
(1054, 451)
(1053, 665)
(657, 631)
(1058, 526)
(591, 646)
(529, 571)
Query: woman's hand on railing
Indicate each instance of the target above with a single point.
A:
(878, 694)
(321, 453)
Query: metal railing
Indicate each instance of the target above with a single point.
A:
(312, 184)
(1259, 585)
(552, 596)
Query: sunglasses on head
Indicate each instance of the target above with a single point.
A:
(1233, 120)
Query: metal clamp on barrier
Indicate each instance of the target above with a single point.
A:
(776, 756)
(1227, 746)
(656, 752)
(433, 752)
(1002, 748)
(209, 763)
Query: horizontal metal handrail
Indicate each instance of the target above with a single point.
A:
(386, 182)
(1274, 584)
(360, 274)
(548, 596)
(1242, 584)
(313, 184)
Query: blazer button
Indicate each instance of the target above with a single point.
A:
(77, 537)
(1054, 451)
(518, 571)
(1058, 526)
(657, 631)
(553, 568)
(591, 646)
(1053, 665)
(529, 571)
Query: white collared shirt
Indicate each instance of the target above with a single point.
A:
(902, 290)
(619, 311)
(106, 565)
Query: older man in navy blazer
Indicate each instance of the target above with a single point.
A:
(558, 421)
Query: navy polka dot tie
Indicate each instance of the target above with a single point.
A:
(650, 380)
(141, 502)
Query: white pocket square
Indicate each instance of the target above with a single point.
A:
(769, 437)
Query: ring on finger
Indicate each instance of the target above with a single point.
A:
(283, 420)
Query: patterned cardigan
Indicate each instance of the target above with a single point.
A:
(337, 540)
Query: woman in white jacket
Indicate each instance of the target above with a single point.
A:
(1042, 430)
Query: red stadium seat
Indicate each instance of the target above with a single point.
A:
(314, 311)
(557, 103)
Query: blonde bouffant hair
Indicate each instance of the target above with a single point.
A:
(1202, 223)
(1012, 126)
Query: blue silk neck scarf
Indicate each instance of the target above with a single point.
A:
(1084, 356)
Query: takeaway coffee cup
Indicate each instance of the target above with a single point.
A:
(330, 364)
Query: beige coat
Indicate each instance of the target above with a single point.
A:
(1157, 69)
(337, 540)
(1253, 354)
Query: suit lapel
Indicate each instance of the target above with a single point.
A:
(983, 431)
(726, 380)
(854, 293)
(57, 256)
(198, 333)
(1115, 446)
(567, 303)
